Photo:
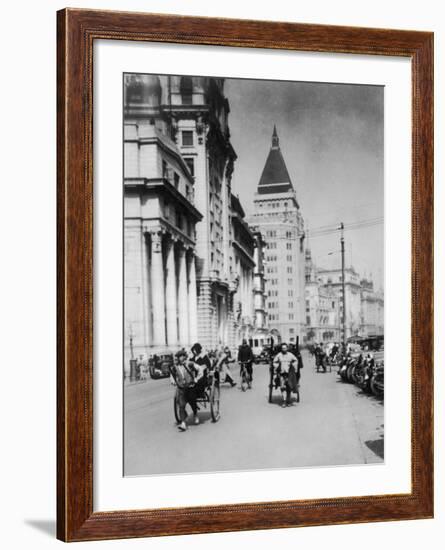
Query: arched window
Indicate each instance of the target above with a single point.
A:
(186, 89)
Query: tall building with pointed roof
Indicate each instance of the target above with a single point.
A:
(277, 215)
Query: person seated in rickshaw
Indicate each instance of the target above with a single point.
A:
(287, 367)
(182, 375)
(202, 365)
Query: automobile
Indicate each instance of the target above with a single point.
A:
(373, 343)
(261, 355)
(159, 365)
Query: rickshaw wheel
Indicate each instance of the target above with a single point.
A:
(214, 403)
(176, 408)
(270, 384)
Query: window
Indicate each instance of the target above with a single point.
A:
(289, 269)
(291, 331)
(290, 293)
(164, 169)
(176, 179)
(189, 161)
(187, 138)
(291, 316)
(289, 246)
(289, 257)
(290, 305)
(290, 281)
(186, 90)
(308, 320)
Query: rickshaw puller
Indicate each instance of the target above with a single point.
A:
(284, 364)
(184, 379)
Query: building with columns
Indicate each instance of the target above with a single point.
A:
(189, 253)
(324, 304)
(242, 268)
(322, 307)
(331, 280)
(160, 305)
(197, 113)
(278, 217)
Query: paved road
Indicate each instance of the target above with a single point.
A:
(334, 424)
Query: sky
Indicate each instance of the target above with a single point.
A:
(331, 137)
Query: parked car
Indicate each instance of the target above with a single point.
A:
(159, 365)
(261, 355)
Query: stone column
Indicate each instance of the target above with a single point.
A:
(157, 290)
(192, 304)
(205, 313)
(170, 296)
(183, 308)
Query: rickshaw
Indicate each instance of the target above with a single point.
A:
(274, 379)
(209, 395)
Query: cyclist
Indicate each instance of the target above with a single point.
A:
(245, 356)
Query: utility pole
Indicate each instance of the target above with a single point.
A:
(343, 317)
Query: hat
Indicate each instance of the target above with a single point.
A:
(197, 347)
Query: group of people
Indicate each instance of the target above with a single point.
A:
(190, 374)
(324, 353)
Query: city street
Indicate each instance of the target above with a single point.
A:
(334, 424)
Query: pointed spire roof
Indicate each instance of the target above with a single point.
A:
(275, 177)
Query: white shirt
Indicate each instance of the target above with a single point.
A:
(284, 360)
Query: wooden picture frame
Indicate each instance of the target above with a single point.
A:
(77, 31)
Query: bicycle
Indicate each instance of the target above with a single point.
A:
(245, 377)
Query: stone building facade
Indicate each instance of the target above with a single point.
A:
(278, 217)
(372, 311)
(324, 304)
(189, 253)
(322, 307)
(160, 305)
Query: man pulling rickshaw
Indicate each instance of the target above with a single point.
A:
(285, 373)
(197, 382)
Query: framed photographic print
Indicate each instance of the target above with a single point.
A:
(245, 228)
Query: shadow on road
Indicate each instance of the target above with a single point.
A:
(377, 446)
(360, 392)
(203, 415)
(277, 400)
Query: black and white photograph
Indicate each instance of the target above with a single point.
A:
(253, 236)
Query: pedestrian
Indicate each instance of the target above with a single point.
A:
(245, 356)
(287, 367)
(183, 377)
(225, 357)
